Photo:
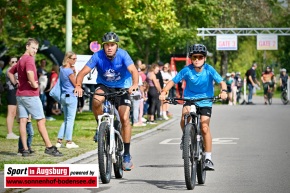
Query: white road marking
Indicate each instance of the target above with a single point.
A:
(216, 141)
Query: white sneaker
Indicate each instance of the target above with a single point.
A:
(71, 145)
(139, 124)
(151, 122)
(12, 136)
(59, 145)
(144, 120)
(50, 119)
(165, 117)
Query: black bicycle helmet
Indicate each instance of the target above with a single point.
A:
(110, 37)
(197, 49)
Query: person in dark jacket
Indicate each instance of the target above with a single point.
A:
(160, 78)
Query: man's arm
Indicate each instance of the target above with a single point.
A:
(274, 80)
(31, 81)
(135, 77)
(251, 80)
(79, 80)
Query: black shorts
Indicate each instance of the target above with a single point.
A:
(11, 97)
(229, 88)
(205, 111)
(119, 100)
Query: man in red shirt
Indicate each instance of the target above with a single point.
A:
(27, 96)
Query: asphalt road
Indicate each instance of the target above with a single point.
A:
(251, 151)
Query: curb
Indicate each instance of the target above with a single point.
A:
(95, 152)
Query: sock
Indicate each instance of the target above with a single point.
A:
(127, 148)
(208, 155)
(164, 113)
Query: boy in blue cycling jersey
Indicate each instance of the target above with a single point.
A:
(199, 77)
(116, 70)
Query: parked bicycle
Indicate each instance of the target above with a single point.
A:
(192, 144)
(284, 95)
(109, 137)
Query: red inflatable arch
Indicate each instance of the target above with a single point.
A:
(173, 69)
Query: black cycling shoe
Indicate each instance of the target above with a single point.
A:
(209, 165)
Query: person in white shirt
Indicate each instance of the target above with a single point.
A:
(166, 75)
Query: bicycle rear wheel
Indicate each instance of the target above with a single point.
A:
(189, 149)
(118, 167)
(201, 172)
(105, 159)
(284, 98)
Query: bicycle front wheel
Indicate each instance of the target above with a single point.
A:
(284, 98)
(269, 96)
(201, 172)
(189, 149)
(105, 159)
(118, 166)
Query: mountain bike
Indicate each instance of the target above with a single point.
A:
(109, 137)
(284, 95)
(192, 144)
(269, 94)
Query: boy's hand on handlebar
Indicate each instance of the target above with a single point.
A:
(78, 91)
(162, 96)
(223, 95)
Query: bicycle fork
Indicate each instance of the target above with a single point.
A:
(106, 117)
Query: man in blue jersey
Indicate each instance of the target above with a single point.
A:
(199, 77)
(116, 70)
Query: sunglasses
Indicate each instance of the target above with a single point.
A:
(13, 62)
(199, 57)
(73, 58)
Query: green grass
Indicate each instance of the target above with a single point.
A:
(84, 130)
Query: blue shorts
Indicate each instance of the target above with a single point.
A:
(30, 105)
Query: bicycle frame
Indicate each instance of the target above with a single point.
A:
(192, 143)
(195, 119)
(109, 117)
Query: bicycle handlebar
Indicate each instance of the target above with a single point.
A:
(192, 101)
(119, 92)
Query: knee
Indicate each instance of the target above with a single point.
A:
(125, 122)
(96, 104)
(97, 107)
(205, 129)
